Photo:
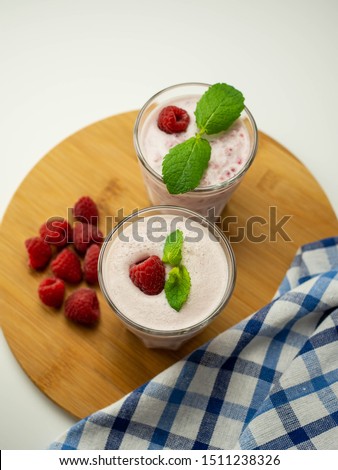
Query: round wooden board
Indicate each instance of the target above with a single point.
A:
(82, 369)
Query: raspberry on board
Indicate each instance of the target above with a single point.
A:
(85, 210)
(173, 119)
(82, 306)
(39, 252)
(85, 235)
(90, 264)
(67, 266)
(148, 275)
(57, 231)
(52, 291)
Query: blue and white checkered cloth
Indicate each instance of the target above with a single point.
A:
(270, 382)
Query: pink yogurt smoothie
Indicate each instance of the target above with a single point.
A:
(210, 264)
(230, 150)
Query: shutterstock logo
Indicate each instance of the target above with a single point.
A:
(255, 229)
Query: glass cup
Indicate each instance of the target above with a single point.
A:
(202, 199)
(207, 254)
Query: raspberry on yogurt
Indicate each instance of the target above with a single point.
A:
(173, 119)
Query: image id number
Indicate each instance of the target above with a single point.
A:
(244, 459)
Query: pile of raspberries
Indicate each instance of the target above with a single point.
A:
(72, 253)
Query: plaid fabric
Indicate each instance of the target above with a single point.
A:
(270, 382)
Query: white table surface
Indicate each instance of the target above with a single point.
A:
(66, 64)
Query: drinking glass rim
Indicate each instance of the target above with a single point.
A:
(231, 262)
(206, 189)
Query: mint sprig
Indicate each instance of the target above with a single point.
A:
(172, 252)
(184, 165)
(177, 286)
(218, 108)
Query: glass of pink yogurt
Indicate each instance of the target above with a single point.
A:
(206, 254)
(233, 151)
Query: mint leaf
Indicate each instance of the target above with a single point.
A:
(172, 252)
(177, 287)
(218, 108)
(184, 165)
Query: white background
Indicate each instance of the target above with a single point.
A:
(68, 63)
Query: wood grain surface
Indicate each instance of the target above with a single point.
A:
(83, 369)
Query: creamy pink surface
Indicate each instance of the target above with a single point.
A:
(230, 150)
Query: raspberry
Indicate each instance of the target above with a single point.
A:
(148, 275)
(57, 232)
(39, 252)
(67, 266)
(82, 306)
(85, 235)
(90, 264)
(173, 120)
(52, 291)
(86, 211)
